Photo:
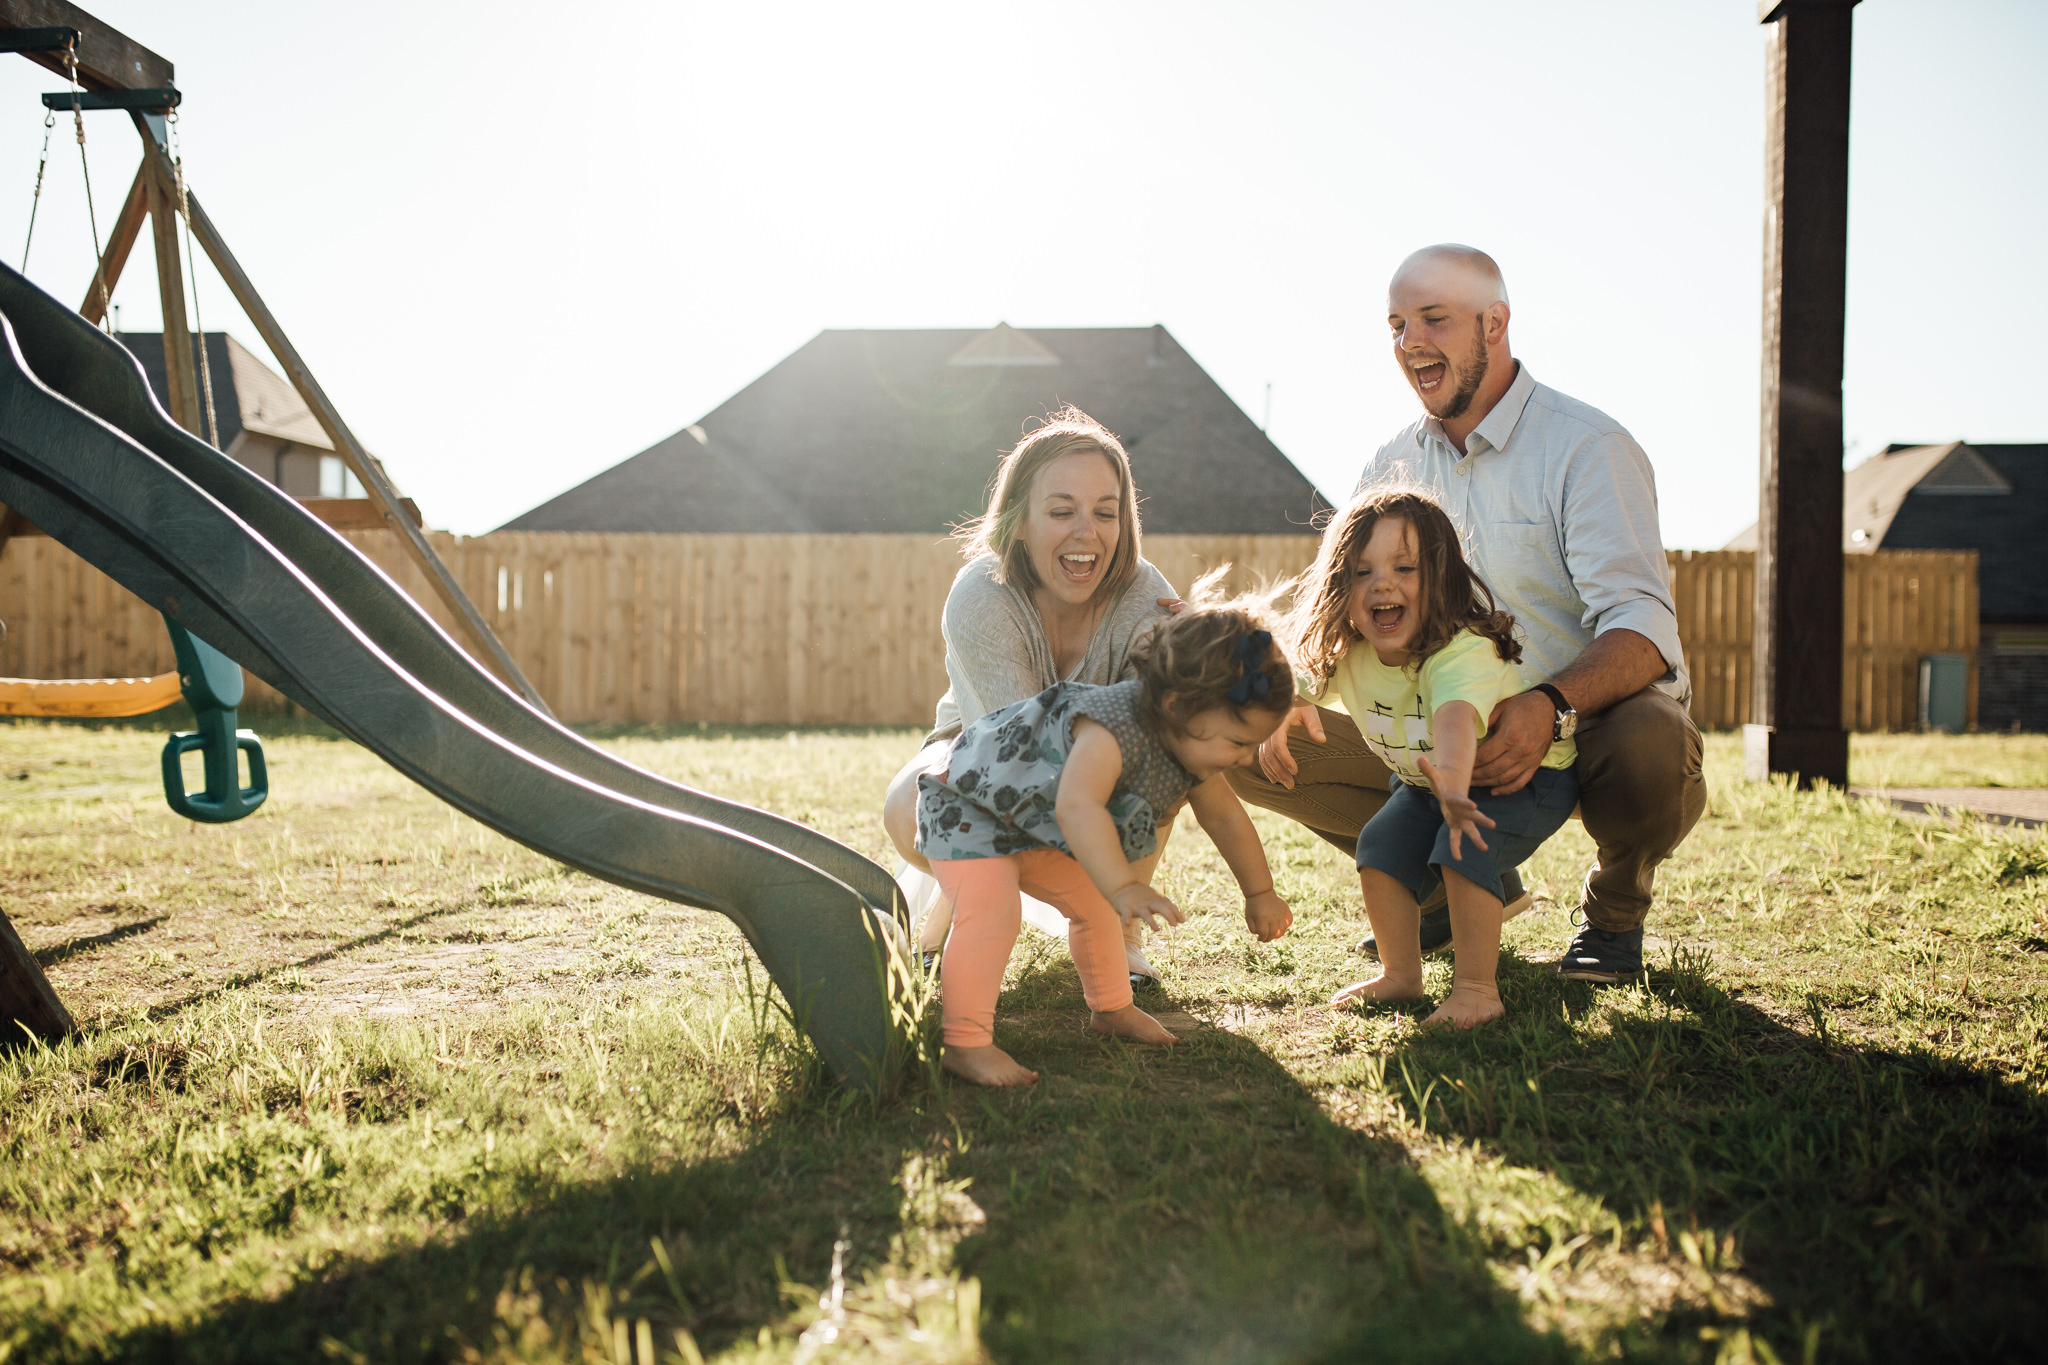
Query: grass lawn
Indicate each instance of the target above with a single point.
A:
(361, 1081)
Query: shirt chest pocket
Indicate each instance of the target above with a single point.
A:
(1522, 560)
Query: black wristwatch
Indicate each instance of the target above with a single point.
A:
(1567, 723)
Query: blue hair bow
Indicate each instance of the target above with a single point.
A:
(1251, 652)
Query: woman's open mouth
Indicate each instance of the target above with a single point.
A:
(1387, 620)
(1078, 568)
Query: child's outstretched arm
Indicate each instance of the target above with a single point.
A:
(1223, 819)
(1093, 765)
(1456, 730)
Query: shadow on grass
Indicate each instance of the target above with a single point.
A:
(49, 957)
(1140, 1205)
(1894, 1201)
(242, 979)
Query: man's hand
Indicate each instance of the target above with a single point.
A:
(1274, 761)
(1517, 737)
(1267, 916)
(1138, 901)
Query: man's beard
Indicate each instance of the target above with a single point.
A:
(1468, 380)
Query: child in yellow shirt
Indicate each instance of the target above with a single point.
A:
(1393, 624)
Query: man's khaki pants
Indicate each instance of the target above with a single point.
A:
(1640, 793)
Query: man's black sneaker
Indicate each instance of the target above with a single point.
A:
(1597, 955)
(1436, 917)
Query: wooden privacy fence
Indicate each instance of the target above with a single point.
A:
(1897, 605)
(844, 629)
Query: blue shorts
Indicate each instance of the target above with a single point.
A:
(1409, 841)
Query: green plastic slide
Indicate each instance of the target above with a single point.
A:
(88, 455)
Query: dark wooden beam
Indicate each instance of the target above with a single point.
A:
(1797, 716)
(11, 524)
(108, 59)
(28, 1003)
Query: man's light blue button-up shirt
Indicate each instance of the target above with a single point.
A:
(1557, 505)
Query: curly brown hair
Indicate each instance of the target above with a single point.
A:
(1193, 662)
(999, 530)
(1454, 597)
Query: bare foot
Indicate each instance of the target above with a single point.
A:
(1468, 1006)
(1381, 988)
(1132, 1023)
(987, 1066)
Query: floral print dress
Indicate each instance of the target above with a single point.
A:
(995, 794)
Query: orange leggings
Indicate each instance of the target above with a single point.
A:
(987, 912)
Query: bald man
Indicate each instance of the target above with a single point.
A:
(1558, 509)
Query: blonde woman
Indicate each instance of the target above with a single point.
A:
(1055, 590)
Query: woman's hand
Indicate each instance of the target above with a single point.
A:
(1462, 815)
(1172, 606)
(1267, 916)
(1274, 760)
(1138, 901)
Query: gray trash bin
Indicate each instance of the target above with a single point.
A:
(1944, 692)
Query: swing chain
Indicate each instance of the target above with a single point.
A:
(212, 414)
(178, 166)
(92, 219)
(36, 202)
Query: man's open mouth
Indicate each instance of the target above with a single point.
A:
(1430, 377)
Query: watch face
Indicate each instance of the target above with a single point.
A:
(1567, 724)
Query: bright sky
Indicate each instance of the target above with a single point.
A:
(517, 248)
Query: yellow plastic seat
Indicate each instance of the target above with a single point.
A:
(74, 698)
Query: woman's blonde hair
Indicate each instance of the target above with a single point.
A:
(1000, 529)
(1218, 652)
(1454, 598)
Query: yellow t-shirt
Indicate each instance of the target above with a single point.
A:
(1396, 710)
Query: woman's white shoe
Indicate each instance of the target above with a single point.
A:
(930, 913)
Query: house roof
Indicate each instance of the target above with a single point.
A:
(2002, 524)
(1959, 496)
(898, 431)
(247, 394)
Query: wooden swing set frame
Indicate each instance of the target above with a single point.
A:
(116, 72)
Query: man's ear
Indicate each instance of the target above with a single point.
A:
(1496, 323)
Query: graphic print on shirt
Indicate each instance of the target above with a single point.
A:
(1399, 741)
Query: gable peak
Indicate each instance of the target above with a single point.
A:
(1962, 470)
(1003, 344)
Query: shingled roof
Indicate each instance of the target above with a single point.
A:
(1957, 496)
(2002, 524)
(898, 431)
(247, 394)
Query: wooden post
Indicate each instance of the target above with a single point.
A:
(180, 381)
(27, 1001)
(127, 227)
(1797, 691)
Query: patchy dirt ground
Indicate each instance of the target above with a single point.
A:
(353, 892)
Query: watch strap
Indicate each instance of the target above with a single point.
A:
(1564, 708)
